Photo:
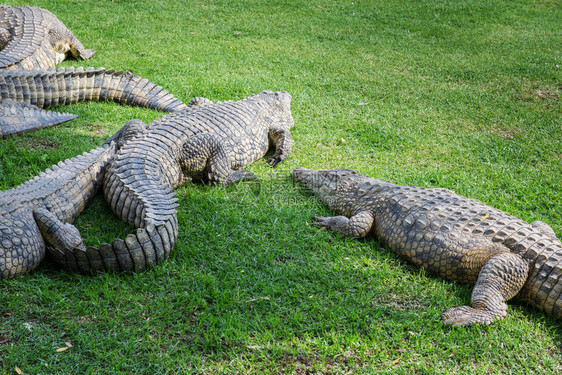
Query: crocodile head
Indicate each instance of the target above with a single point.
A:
(330, 185)
(280, 103)
(343, 190)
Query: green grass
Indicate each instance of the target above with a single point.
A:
(457, 94)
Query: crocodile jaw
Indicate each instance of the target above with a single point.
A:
(325, 184)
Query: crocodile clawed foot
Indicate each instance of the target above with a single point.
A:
(467, 316)
(240, 175)
(334, 223)
(320, 221)
(88, 53)
(274, 161)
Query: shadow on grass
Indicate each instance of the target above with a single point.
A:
(250, 275)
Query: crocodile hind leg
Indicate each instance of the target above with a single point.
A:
(57, 234)
(207, 153)
(64, 243)
(500, 279)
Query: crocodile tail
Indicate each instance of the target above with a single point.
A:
(137, 199)
(126, 88)
(147, 247)
(65, 86)
(17, 117)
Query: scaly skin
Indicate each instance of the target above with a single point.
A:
(211, 141)
(33, 38)
(39, 211)
(457, 238)
(18, 117)
(45, 89)
(32, 42)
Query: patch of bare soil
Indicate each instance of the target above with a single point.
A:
(98, 129)
(531, 91)
(506, 133)
(39, 144)
(546, 94)
(4, 340)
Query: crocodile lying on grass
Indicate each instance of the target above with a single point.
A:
(210, 141)
(40, 210)
(457, 238)
(45, 89)
(34, 38)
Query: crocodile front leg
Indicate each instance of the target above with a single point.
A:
(77, 49)
(357, 226)
(500, 279)
(207, 153)
(283, 141)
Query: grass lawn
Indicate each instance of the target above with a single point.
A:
(464, 95)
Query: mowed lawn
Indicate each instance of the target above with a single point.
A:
(463, 95)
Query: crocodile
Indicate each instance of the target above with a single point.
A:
(33, 38)
(45, 89)
(40, 211)
(452, 236)
(207, 141)
(32, 42)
